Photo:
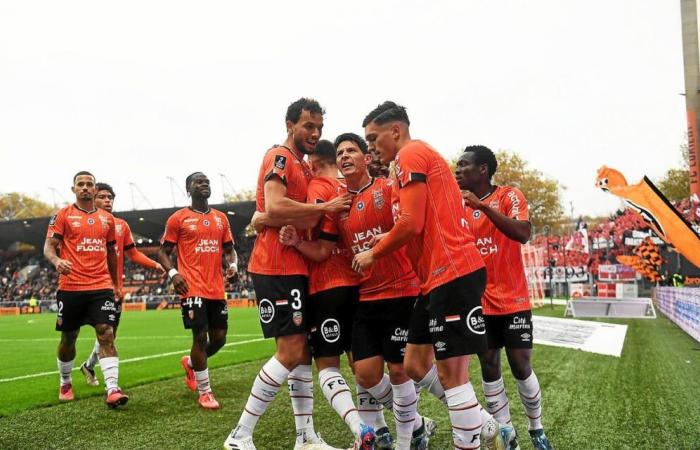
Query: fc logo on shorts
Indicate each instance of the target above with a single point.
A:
(475, 321)
(266, 310)
(330, 330)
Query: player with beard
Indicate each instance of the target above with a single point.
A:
(447, 322)
(124, 246)
(84, 237)
(387, 293)
(203, 239)
(498, 217)
(280, 278)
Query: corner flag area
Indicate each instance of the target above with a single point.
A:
(647, 398)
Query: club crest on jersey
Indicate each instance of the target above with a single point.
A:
(360, 206)
(91, 221)
(206, 223)
(378, 199)
(476, 214)
(266, 310)
(297, 318)
(280, 162)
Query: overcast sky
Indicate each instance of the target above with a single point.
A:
(138, 91)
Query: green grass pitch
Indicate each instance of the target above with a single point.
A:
(648, 398)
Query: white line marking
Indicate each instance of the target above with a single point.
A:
(124, 361)
(120, 338)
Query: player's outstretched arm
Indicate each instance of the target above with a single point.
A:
(51, 245)
(261, 220)
(178, 281)
(517, 230)
(317, 251)
(280, 207)
(139, 258)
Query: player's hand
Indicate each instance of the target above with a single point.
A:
(63, 266)
(231, 272)
(338, 204)
(160, 269)
(376, 238)
(471, 200)
(363, 261)
(256, 223)
(288, 236)
(118, 295)
(180, 284)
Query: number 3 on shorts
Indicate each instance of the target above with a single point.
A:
(296, 299)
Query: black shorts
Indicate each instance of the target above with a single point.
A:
(332, 313)
(282, 303)
(78, 308)
(200, 313)
(510, 330)
(118, 317)
(381, 329)
(450, 317)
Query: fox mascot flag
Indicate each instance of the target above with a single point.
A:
(645, 199)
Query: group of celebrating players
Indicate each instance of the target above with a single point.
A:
(416, 271)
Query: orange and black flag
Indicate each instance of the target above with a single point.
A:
(646, 199)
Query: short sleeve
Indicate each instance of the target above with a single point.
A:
(412, 164)
(227, 236)
(172, 230)
(128, 238)
(514, 205)
(328, 228)
(57, 225)
(278, 163)
(111, 231)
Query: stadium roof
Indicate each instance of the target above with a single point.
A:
(148, 223)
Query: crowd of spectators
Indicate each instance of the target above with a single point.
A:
(26, 275)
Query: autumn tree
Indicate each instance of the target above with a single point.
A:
(19, 206)
(676, 182)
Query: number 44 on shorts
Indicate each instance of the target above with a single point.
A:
(194, 301)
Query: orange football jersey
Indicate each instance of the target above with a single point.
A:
(445, 250)
(370, 214)
(85, 236)
(201, 239)
(269, 257)
(336, 271)
(506, 285)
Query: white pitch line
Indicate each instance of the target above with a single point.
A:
(124, 361)
(120, 338)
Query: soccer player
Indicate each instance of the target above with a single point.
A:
(387, 291)
(84, 237)
(203, 239)
(104, 199)
(447, 321)
(498, 218)
(280, 278)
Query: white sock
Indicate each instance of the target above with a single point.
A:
(497, 400)
(405, 403)
(110, 371)
(301, 392)
(419, 419)
(431, 382)
(465, 416)
(336, 391)
(94, 357)
(382, 393)
(531, 396)
(489, 426)
(202, 379)
(65, 368)
(265, 387)
(371, 411)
